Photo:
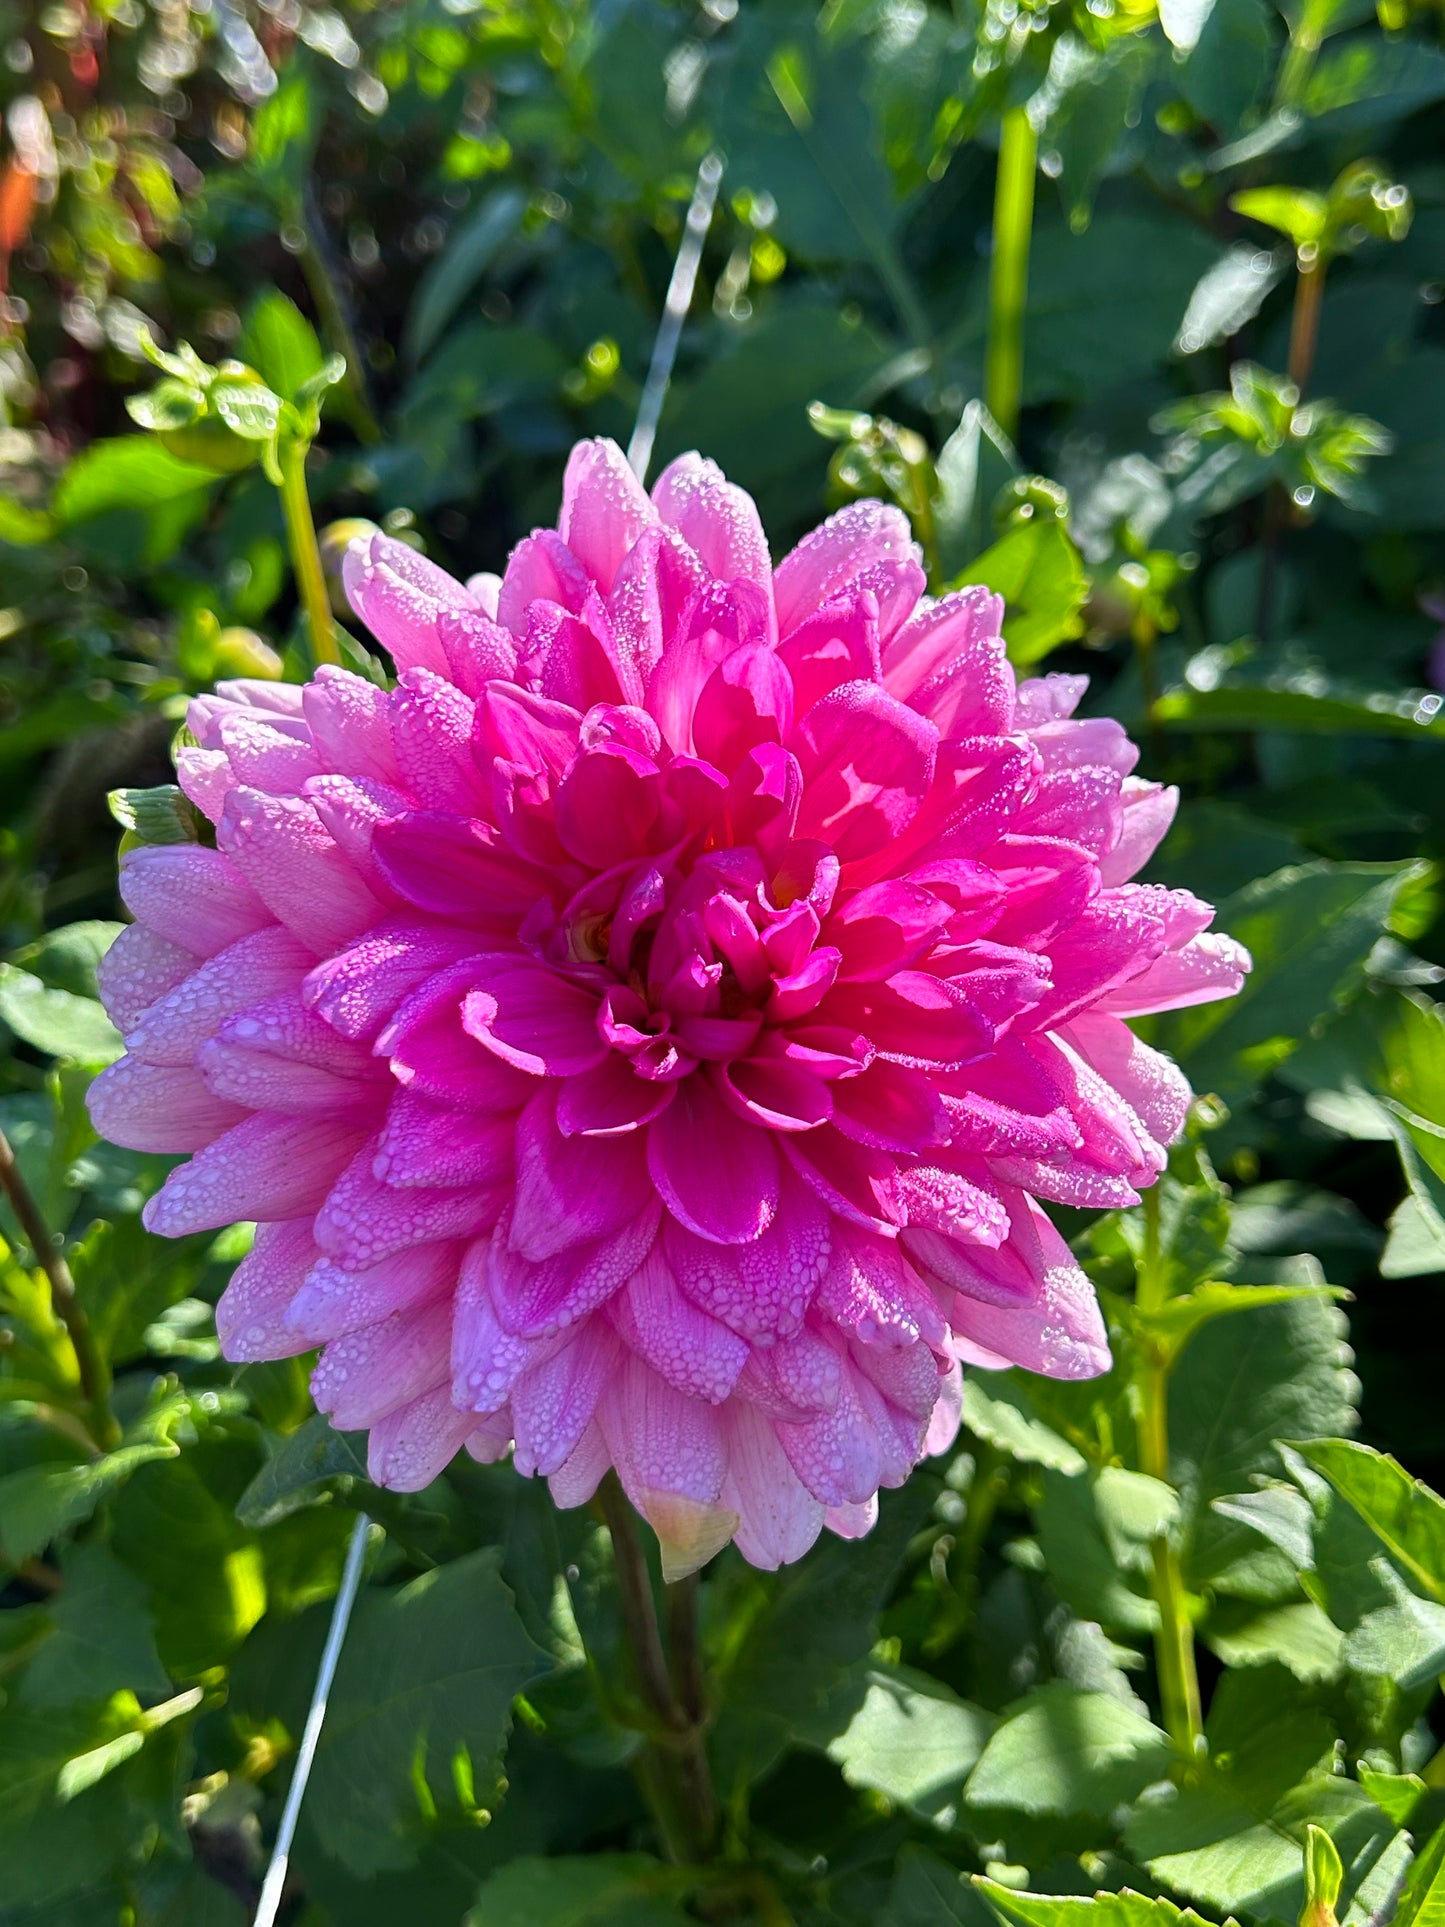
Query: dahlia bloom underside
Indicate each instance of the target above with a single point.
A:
(644, 1035)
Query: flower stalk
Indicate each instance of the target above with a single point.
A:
(91, 1371)
(305, 552)
(1013, 219)
(1174, 1638)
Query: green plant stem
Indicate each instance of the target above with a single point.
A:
(1013, 219)
(305, 555)
(89, 1365)
(1304, 334)
(1174, 1639)
(674, 1768)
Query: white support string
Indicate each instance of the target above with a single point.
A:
(639, 454)
(674, 313)
(275, 1879)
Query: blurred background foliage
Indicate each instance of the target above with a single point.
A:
(1138, 310)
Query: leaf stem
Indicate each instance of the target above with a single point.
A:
(90, 1367)
(1013, 217)
(1174, 1638)
(305, 554)
(1304, 327)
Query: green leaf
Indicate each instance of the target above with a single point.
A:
(1405, 1516)
(42, 1501)
(126, 1278)
(928, 1892)
(794, 1675)
(67, 958)
(57, 1021)
(592, 1890)
(1082, 1564)
(51, 1848)
(1293, 211)
(1229, 69)
(1309, 929)
(974, 463)
(160, 815)
(1423, 1902)
(300, 1470)
(995, 1409)
(469, 252)
(1369, 81)
(248, 408)
(1297, 1635)
(912, 1740)
(101, 1640)
(1037, 570)
(1240, 1385)
(420, 1711)
(1226, 296)
(1241, 705)
(1124, 1909)
(279, 343)
(169, 405)
(132, 472)
(1324, 1876)
(22, 527)
(1065, 1750)
(1177, 1319)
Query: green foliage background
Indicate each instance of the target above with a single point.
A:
(477, 205)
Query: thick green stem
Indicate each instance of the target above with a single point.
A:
(305, 555)
(1013, 219)
(90, 1366)
(674, 1768)
(1174, 1638)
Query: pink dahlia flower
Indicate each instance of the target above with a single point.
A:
(644, 1035)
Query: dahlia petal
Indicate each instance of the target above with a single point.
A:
(205, 778)
(604, 508)
(350, 726)
(775, 1092)
(456, 867)
(1048, 699)
(194, 896)
(692, 1350)
(264, 758)
(868, 1290)
(153, 1107)
(891, 1107)
(1060, 1333)
(332, 1300)
(363, 1220)
(1147, 812)
(425, 1143)
(886, 927)
(718, 521)
(836, 1454)
(431, 730)
(979, 784)
(477, 648)
(251, 1311)
(366, 1374)
(649, 594)
(951, 655)
(1047, 885)
(554, 1400)
(778, 1518)
(294, 866)
(137, 971)
(572, 1189)
(947, 1414)
(835, 555)
(575, 1483)
(1080, 805)
(486, 1359)
(1207, 968)
(664, 1444)
(717, 1175)
(581, 664)
(1008, 1104)
(1151, 1083)
(172, 1029)
(607, 806)
(1110, 945)
(837, 644)
(867, 764)
(852, 1521)
(540, 569)
(399, 595)
(609, 1100)
(262, 1079)
(363, 986)
(431, 1053)
(534, 1019)
(762, 1289)
(746, 700)
(855, 1180)
(268, 1166)
(917, 1019)
(414, 1444)
(349, 809)
(1094, 740)
(535, 1298)
(491, 1440)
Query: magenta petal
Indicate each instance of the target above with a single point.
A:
(779, 1518)
(364, 1220)
(538, 1296)
(455, 867)
(885, 928)
(399, 595)
(368, 1373)
(360, 988)
(172, 1028)
(776, 1092)
(534, 1019)
(693, 1351)
(746, 700)
(333, 1299)
(836, 645)
(1207, 968)
(1059, 1332)
(350, 726)
(761, 1289)
(554, 1400)
(717, 1175)
(1151, 1083)
(269, 1166)
(138, 970)
(855, 1180)
(431, 728)
(835, 555)
(293, 864)
(540, 569)
(570, 1189)
(718, 521)
(610, 1100)
(867, 764)
(664, 1444)
(1147, 812)
(604, 508)
(929, 1022)
(892, 1107)
(425, 1143)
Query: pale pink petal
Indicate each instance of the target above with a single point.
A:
(604, 508)
(837, 554)
(152, 1107)
(191, 895)
(251, 1312)
(414, 1444)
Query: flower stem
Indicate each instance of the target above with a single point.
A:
(1013, 216)
(1174, 1639)
(675, 1772)
(90, 1367)
(1304, 334)
(305, 555)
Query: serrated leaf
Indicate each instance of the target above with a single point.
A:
(422, 1701)
(42, 1501)
(913, 1740)
(101, 1639)
(1297, 1635)
(592, 1890)
(928, 1892)
(1179, 1318)
(1069, 1751)
(1405, 1515)
(1124, 1909)
(994, 1409)
(248, 408)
